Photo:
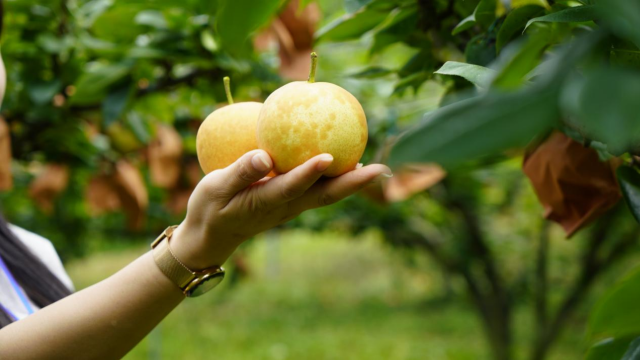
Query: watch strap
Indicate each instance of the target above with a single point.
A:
(171, 266)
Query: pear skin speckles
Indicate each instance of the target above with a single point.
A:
(301, 120)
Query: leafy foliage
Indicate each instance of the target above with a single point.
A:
(90, 83)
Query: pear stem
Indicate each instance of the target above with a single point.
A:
(314, 64)
(227, 89)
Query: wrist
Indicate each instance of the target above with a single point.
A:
(191, 246)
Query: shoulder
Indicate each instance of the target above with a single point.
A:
(44, 250)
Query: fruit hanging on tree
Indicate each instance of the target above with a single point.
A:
(227, 133)
(303, 119)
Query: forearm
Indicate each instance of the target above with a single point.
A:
(104, 321)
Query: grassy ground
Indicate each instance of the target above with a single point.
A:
(318, 297)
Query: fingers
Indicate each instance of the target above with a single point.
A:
(294, 183)
(336, 189)
(250, 168)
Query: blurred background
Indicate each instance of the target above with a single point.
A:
(97, 153)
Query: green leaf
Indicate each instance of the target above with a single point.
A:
(611, 348)
(633, 353)
(623, 16)
(42, 92)
(115, 102)
(420, 62)
(629, 180)
(515, 70)
(480, 76)
(237, 19)
(139, 127)
(484, 15)
(413, 81)
(605, 107)
(481, 50)
(351, 26)
(90, 11)
(53, 44)
(354, 5)
(516, 4)
(373, 72)
(616, 314)
(466, 23)
(117, 23)
(93, 84)
(401, 25)
(625, 55)
(153, 18)
(478, 126)
(515, 23)
(573, 14)
(208, 41)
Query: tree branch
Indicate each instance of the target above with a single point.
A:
(540, 286)
(592, 267)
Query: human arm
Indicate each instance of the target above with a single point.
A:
(228, 206)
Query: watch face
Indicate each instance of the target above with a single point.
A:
(203, 284)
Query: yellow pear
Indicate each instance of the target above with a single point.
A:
(303, 119)
(227, 133)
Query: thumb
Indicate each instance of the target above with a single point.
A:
(250, 168)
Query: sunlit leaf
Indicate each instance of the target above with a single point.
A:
(515, 4)
(480, 76)
(208, 41)
(572, 14)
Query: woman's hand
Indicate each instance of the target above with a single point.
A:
(230, 205)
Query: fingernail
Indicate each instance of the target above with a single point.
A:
(260, 163)
(381, 177)
(324, 162)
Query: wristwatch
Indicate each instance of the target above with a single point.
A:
(192, 283)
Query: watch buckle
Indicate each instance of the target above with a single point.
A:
(165, 234)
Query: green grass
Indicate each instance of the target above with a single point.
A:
(319, 297)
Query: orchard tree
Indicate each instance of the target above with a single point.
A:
(559, 78)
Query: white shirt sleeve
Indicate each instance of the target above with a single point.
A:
(44, 250)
